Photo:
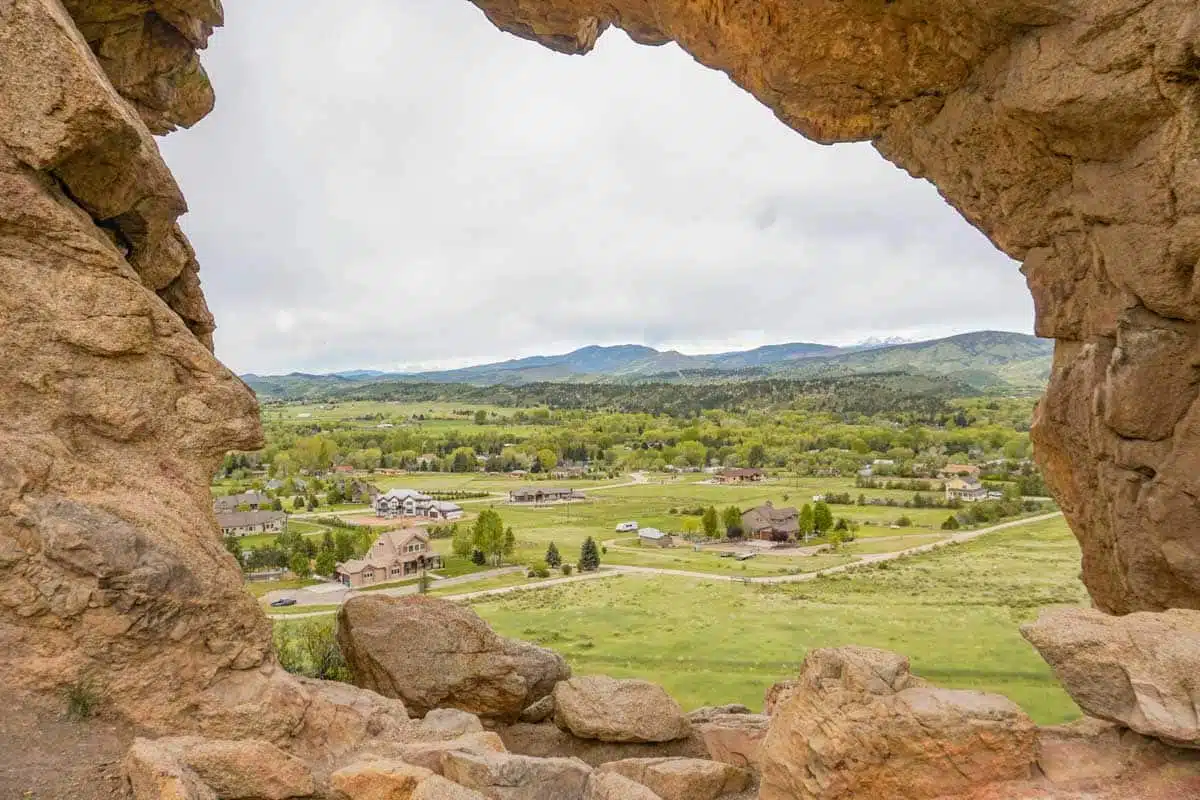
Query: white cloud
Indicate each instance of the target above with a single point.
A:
(397, 184)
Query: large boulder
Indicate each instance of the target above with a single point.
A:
(859, 724)
(599, 707)
(1141, 670)
(503, 776)
(434, 654)
(395, 780)
(682, 778)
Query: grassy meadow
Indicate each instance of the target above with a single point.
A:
(954, 612)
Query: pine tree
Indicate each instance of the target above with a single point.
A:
(589, 556)
(553, 559)
(478, 558)
(326, 563)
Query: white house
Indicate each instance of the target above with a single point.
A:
(411, 503)
(967, 490)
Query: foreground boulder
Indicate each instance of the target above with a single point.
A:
(431, 754)
(503, 776)
(1141, 670)
(242, 770)
(682, 778)
(858, 724)
(395, 780)
(433, 653)
(611, 710)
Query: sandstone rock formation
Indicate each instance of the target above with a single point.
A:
(859, 724)
(503, 776)
(434, 653)
(733, 738)
(548, 740)
(683, 778)
(611, 710)
(611, 786)
(1067, 132)
(1141, 670)
(242, 770)
(395, 780)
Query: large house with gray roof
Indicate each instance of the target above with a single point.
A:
(413, 504)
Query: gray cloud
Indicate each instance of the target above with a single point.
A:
(397, 184)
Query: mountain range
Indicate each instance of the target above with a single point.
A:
(982, 359)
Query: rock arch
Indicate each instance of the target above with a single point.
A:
(1066, 131)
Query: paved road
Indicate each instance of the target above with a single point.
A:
(875, 558)
(330, 593)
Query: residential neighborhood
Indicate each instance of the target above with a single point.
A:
(252, 500)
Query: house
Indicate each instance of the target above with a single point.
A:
(395, 555)
(566, 473)
(958, 471)
(254, 500)
(740, 475)
(411, 503)
(343, 469)
(249, 523)
(967, 490)
(655, 538)
(274, 485)
(771, 524)
(539, 496)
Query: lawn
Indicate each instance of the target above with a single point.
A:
(954, 612)
(498, 582)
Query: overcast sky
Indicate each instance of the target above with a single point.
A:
(399, 186)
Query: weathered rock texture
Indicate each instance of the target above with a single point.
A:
(682, 778)
(436, 654)
(612, 710)
(859, 724)
(1141, 670)
(1067, 132)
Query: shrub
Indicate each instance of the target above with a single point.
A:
(310, 648)
(566, 569)
(951, 523)
(539, 570)
(478, 558)
(82, 699)
(904, 522)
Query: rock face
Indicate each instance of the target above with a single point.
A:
(599, 707)
(1141, 670)
(859, 724)
(998, 104)
(242, 770)
(434, 653)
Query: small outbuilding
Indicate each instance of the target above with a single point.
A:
(655, 538)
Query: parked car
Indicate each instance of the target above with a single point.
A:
(626, 527)
(283, 601)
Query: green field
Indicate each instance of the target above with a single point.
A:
(954, 612)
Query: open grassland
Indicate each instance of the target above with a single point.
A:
(954, 612)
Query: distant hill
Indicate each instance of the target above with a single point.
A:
(983, 360)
